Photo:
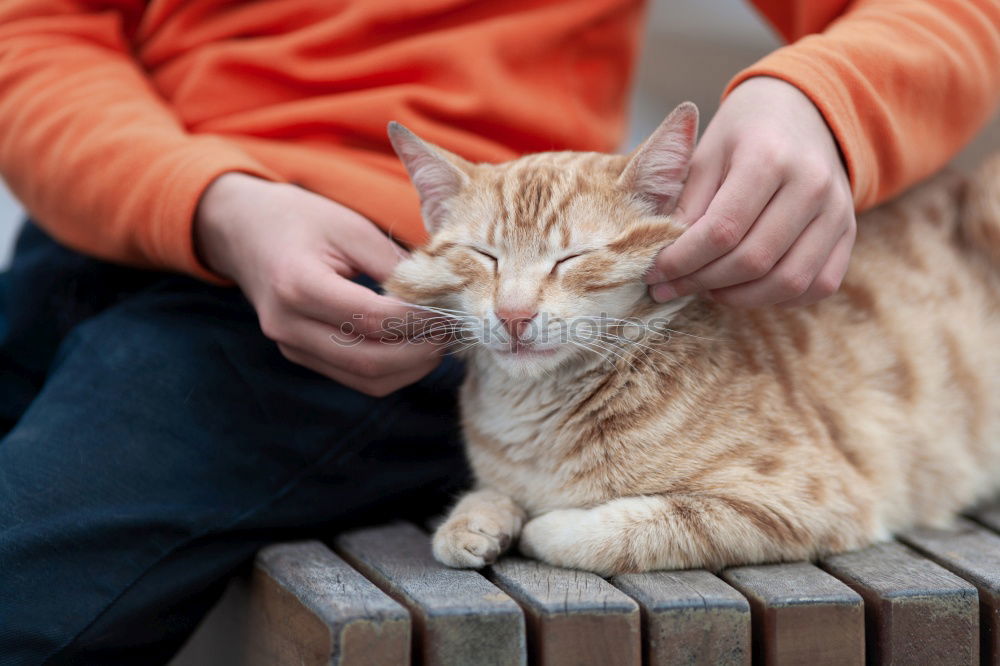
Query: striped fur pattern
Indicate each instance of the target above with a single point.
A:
(737, 436)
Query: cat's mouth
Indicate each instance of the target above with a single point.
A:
(527, 360)
(525, 351)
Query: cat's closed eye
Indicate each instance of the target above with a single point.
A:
(483, 253)
(563, 260)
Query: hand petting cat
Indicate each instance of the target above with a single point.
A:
(768, 205)
(767, 201)
(293, 253)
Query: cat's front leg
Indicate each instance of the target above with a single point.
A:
(687, 531)
(480, 527)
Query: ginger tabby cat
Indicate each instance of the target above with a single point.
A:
(611, 433)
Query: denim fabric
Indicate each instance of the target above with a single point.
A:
(153, 440)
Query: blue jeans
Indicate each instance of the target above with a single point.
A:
(153, 440)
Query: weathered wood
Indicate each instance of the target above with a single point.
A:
(460, 617)
(302, 605)
(801, 615)
(916, 612)
(689, 617)
(574, 617)
(972, 552)
(315, 608)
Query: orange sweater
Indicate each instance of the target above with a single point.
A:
(116, 115)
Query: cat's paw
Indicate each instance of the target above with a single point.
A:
(564, 538)
(472, 541)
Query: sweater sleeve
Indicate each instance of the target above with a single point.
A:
(88, 146)
(902, 84)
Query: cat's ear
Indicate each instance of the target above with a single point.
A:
(658, 168)
(437, 174)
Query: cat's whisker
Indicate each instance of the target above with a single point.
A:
(692, 335)
(460, 346)
(634, 324)
(432, 308)
(638, 354)
(585, 347)
(440, 326)
(619, 340)
(436, 327)
(621, 344)
(597, 344)
(644, 348)
(446, 334)
(438, 322)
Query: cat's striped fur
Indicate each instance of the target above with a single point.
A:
(739, 436)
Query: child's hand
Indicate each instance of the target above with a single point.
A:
(293, 252)
(768, 203)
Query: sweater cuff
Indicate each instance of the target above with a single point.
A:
(827, 84)
(168, 240)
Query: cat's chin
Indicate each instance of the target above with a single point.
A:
(528, 362)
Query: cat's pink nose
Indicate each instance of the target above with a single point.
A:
(515, 321)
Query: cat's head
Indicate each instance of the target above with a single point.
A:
(525, 251)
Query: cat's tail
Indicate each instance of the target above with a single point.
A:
(981, 210)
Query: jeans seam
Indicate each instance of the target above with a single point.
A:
(291, 483)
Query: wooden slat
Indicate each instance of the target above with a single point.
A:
(302, 605)
(972, 552)
(801, 615)
(574, 617)
(306, 591)
(916, 612)
(460, 617)
(689, 617)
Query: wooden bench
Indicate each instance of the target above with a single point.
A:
(376, 596)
